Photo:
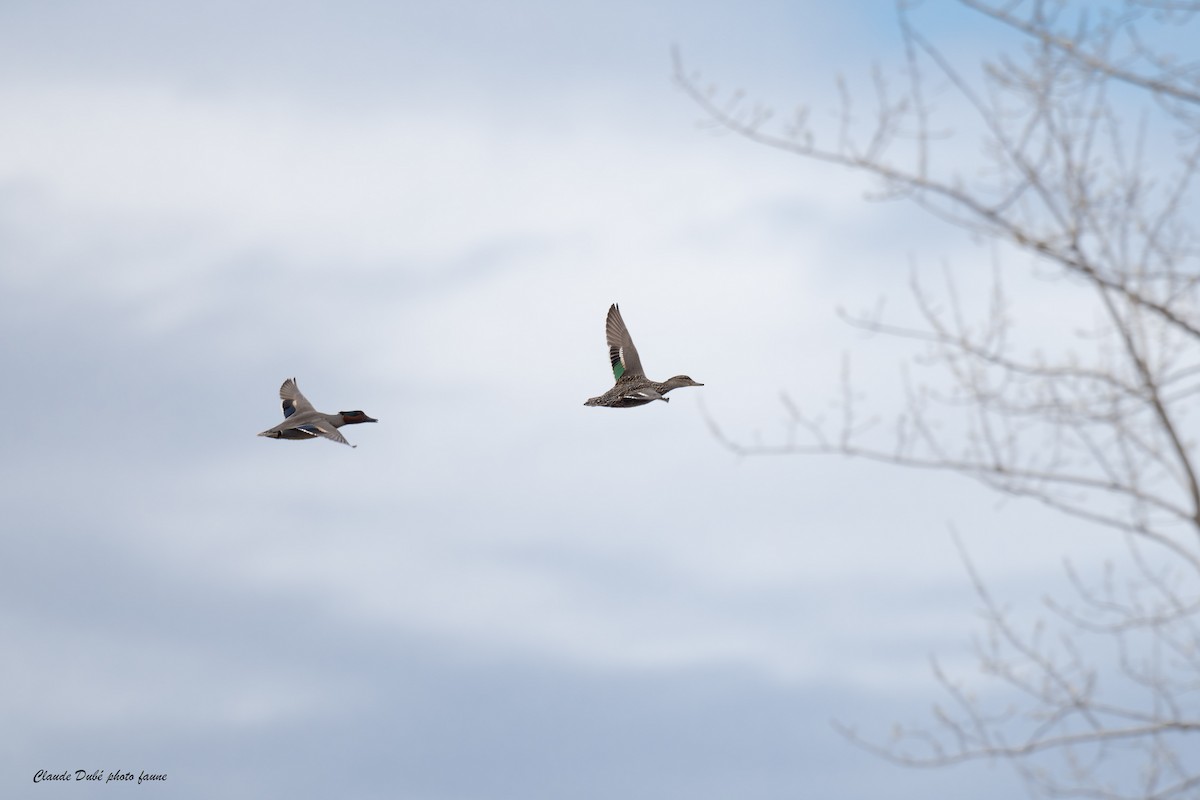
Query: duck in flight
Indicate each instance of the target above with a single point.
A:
(632, 388)
(302, 421)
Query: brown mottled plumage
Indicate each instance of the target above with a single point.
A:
(632, 388)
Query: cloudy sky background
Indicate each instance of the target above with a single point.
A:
(424, 211)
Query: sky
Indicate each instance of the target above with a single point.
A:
(424, 211)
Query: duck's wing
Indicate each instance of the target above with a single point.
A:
(323, 427)
(645, 394)
(293, 401)
(621, 352)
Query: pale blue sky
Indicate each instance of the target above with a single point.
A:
(424, 211)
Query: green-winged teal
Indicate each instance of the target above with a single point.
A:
(302, 421)
(633, 388)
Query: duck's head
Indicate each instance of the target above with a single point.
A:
(680, 381)
(355, 417)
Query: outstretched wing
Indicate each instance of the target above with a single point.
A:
(293, 401)
(326, 429)
(621, 352)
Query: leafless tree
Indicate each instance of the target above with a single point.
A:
(1090, 133)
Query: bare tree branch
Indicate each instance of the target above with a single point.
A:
(1099, 696)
